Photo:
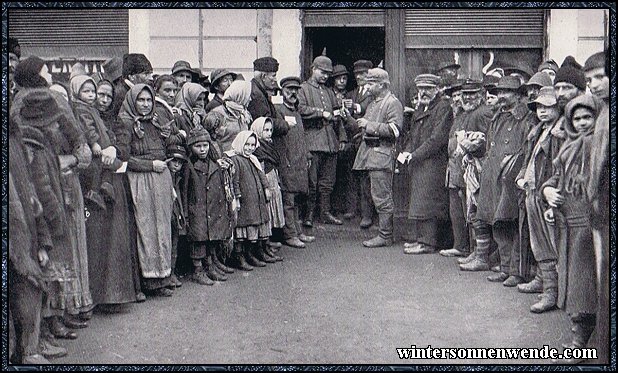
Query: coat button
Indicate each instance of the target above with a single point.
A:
(506, 141)
(493, 143)
(509, 129)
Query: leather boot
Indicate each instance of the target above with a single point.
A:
(310, 213)
(251, 256)
(220, 264)
(242, 263)
(212, 273)
(583, 327)
(327, 217)
(262, 254)
(550, 287)
(385, 236)
(534, 286)
(272, 253)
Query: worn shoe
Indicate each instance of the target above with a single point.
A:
(140, 297)
(496, 269)
(242, 264)
(306, 238)
(74, 323)
(547, 303)
(513, 281)
(468, 259)
(214, 275)
(534, 286)
(59, 330)
(50, 351)
(328, 218)
(378, 242)
(475, 265)
(175, 281)
(252, 260)
(408, 247)
(452, 253)
(422, 249)
(498, 277)
(295, 242)
(366, 223)
(201, 278)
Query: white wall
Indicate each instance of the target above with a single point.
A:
(286, 41)
(575, 32)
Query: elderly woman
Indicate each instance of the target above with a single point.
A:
(220, 79)
(229, 119)
(151, 187)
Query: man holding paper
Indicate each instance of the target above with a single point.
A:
(381, 126)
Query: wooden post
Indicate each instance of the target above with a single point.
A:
(394, 59)
(264, 32)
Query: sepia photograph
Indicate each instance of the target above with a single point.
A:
(316, 186)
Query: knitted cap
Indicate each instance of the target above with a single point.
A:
(198, 134)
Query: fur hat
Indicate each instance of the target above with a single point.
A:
(39, 109)
(135, 63)
(27, 73)
(266, 64)
(570, 72)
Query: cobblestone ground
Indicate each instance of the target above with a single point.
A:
(332, 303)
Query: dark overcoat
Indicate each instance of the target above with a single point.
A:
(249, 186)
(261, 106)
(292, 148)
(208, 216)
(427, 141)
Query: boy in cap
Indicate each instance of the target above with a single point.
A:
(177, 157)
(537, 169)
(325, 136)
(381, 126)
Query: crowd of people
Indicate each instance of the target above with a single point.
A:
(119, 179)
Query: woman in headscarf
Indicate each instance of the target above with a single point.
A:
(112, 254)
(268, 155)
(229, 119)
(566, 194)
(190, 104)
(151, 187)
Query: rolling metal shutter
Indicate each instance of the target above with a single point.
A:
(471, 28)
(343, 17)
(70, 33)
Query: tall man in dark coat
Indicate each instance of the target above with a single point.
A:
(381, 125)
(325, 136)
(263, 87)
(295, 157)
(357, 102)
(426, 155)
(475, 117)
(498, 196)
(136, 69)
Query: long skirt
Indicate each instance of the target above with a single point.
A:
(79, 291)
(277, 217)
(112, 267)
(152, 200)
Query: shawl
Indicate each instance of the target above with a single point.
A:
(129, 112)
(238, 147)
(76, 85)
(266, 152)
(237, 98)
(107, 114)
(186, 101)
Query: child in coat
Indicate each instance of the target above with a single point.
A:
(177, 157)
(252, 194)
(209, 215)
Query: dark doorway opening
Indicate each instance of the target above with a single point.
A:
(344, 46)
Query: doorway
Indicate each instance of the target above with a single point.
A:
(344, 46)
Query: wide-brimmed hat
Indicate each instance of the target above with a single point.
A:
(427, 80)
(217, 74)
(490, 81)
(546, 97)
(39, 109)
(454, 87)
(471, 85)
(182, 66)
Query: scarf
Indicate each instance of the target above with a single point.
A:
(107, 114)
(266, 152)
(574, 154)
(238, 146)
(237, 98)
(129, 112)
(187, 99)
(76, 85)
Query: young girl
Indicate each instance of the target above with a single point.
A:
(252, 194)
(269, 158)
(95, 180)
(209, 217)
(566, 194)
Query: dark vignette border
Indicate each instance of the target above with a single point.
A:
(553, 5)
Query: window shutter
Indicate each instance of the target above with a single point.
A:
(70, 33)
(343, 18)
(474, 28)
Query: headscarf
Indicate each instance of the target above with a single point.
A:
(267, 152)
(129, 112)
(27, 73)
(236, 99)
(238, 146)
(107, 114)
(187, 98)
(574, 153)
(77, 82)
